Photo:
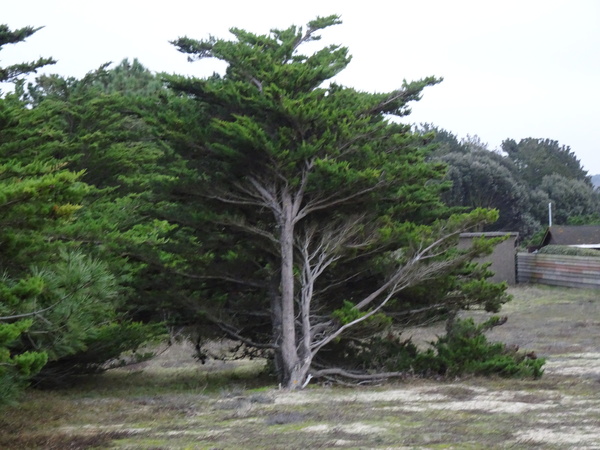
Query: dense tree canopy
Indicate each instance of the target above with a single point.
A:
(536, 158)
(481, 179)
(519, 183)
(52, 152)
(33, 195)
(267, 204)
(570, 197)
(316, 212)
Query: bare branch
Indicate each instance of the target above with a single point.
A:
(331, 201)
(299, 196)
(317, 254)
(241, 225)
(231, 332)
(412, 272)
(234, 200)
(257, 83)
(356, 375)
(268, 195)
(218, 277)
(401, 272)
(316, 346)
(34, 313)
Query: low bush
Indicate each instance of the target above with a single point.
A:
(16, 368)
(466, 350)
(568, 251)
(463, 350)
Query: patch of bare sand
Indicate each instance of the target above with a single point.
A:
(410, 394)
(473, 398)
(423, 397)
(577, 364)
(415, 400)
(350, 428)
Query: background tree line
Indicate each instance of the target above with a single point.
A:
(267, 205)
(519, 180)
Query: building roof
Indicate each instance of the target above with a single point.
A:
(572, 235)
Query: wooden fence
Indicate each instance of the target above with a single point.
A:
(559, 270)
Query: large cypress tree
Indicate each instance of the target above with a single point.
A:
(315, 211)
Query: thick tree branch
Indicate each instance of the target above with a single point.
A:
(357, 375)
(331, 201)
(411, 273)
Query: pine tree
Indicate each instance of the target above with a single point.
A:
(29, 193)
(48, 137)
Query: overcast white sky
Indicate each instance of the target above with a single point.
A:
(511, 68)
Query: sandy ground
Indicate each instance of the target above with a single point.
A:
(560, 411)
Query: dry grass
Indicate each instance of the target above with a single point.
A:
(174, 402)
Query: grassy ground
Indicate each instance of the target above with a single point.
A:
(175, 403)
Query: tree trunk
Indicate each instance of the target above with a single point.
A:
(287, 348)
(298, 375)
(276, 326)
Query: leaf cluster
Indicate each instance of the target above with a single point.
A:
(13, 72)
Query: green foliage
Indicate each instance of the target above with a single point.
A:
(347, 313)
(76, 321)
(37, 196)
(16, 368)
(483, 179)
(123, 201)
(590, 219)
(535, 240)
(276, 155)
(568, 251)
(14, 72)
(57, 141)
(34, 195)
(519, 183)
(463, 350)
(570, 197)
(465, 288)
(536, 158)
(108, 125)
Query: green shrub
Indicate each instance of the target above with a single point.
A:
(466, 350)
(16, 368)
(463, 350)
(78, 325)
(568, 251)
